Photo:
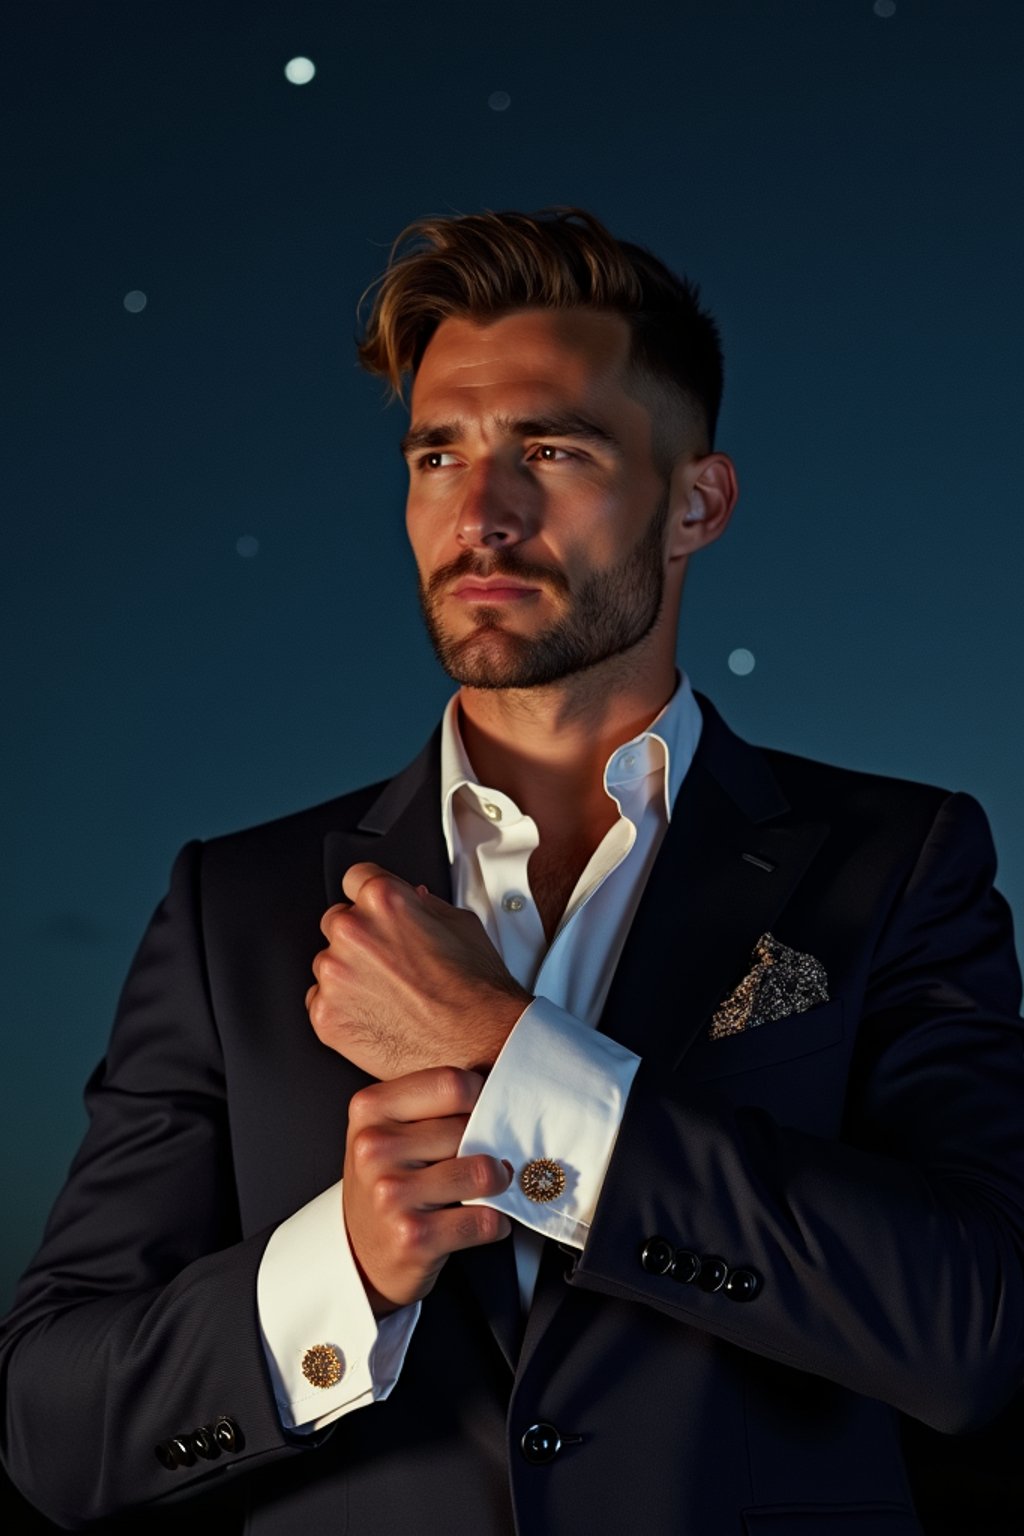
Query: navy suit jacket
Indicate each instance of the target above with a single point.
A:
(865, 1158)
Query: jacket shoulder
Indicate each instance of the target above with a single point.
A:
(341, 811)
(832, 785)
(767, 780)
(874, 816)
(274, 853)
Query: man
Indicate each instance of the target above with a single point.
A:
(725, 1039)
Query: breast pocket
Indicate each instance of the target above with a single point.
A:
(767, 1045)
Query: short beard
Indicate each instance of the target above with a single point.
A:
(612, 612)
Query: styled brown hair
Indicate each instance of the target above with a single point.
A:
(483, 265)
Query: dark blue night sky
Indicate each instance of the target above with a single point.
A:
(209, 604)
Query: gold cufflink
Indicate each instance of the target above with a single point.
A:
(542, 1180)
(323, 1366)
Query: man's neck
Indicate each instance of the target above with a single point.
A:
(546, 748)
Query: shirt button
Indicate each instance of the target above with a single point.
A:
(493, 811)
(513, 902)
(627, 761)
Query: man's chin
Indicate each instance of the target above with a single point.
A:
(492, 659)
(480, 672)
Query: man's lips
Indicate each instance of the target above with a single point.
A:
(492, 591)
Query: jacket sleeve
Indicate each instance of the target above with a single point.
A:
(136, 1325)
(889, 1259)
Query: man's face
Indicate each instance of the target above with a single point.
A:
(529, 460)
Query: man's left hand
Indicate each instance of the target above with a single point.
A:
(408, 981)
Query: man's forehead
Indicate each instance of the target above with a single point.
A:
(529, 363)
(535, 342)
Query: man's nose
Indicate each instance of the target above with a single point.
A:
(494, 507)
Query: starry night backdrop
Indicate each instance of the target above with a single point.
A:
(208, 602)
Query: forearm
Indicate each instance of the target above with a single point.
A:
(136, 1321)
(899, 1283)
(94, 1386)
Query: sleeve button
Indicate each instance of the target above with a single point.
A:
(228, 1435)
(656, 1256)
(166, 1455)
(204, 1444)
(713, 1272)
(743, 1284)
(685, 1266)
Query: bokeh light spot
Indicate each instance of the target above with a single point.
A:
(299, 71)
(499, 101)
(135, 302)
(885, 8)
(248, 546)
(741, 662)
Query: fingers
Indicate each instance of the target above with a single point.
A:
(426, 1239)
(375, 890)
(358, 876)
(401, 1193)
(402, 1225)
(329, 921)
(393, 1145)
(356, 885)
(404, 1184)
(400, 1258)
(458, 1179)
(432, 1093)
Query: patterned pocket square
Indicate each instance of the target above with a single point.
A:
(782, 982)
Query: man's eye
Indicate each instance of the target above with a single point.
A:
(433, 460)
(547, 451)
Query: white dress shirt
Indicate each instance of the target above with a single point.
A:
(557, 1090)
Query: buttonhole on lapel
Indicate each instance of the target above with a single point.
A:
(765, 864)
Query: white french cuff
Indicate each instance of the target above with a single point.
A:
(317, 1324)
(552, 1106)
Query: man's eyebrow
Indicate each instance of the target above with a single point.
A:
(556, 424)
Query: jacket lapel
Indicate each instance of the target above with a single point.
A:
(732, 855)
(401, 831)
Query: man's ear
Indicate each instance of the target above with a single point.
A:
(702, 494)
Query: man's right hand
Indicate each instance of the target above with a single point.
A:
(402, 1183)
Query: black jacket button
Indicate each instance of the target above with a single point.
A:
(204, 1444)
(183, 1446)
(166, 1455)
(743, 1284)
(176, 1452)
(713, 1272)
(228, 1435)
(656, 1256)
(685, 1266)
(541, 1443)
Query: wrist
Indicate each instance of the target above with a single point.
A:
(505, 1014)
